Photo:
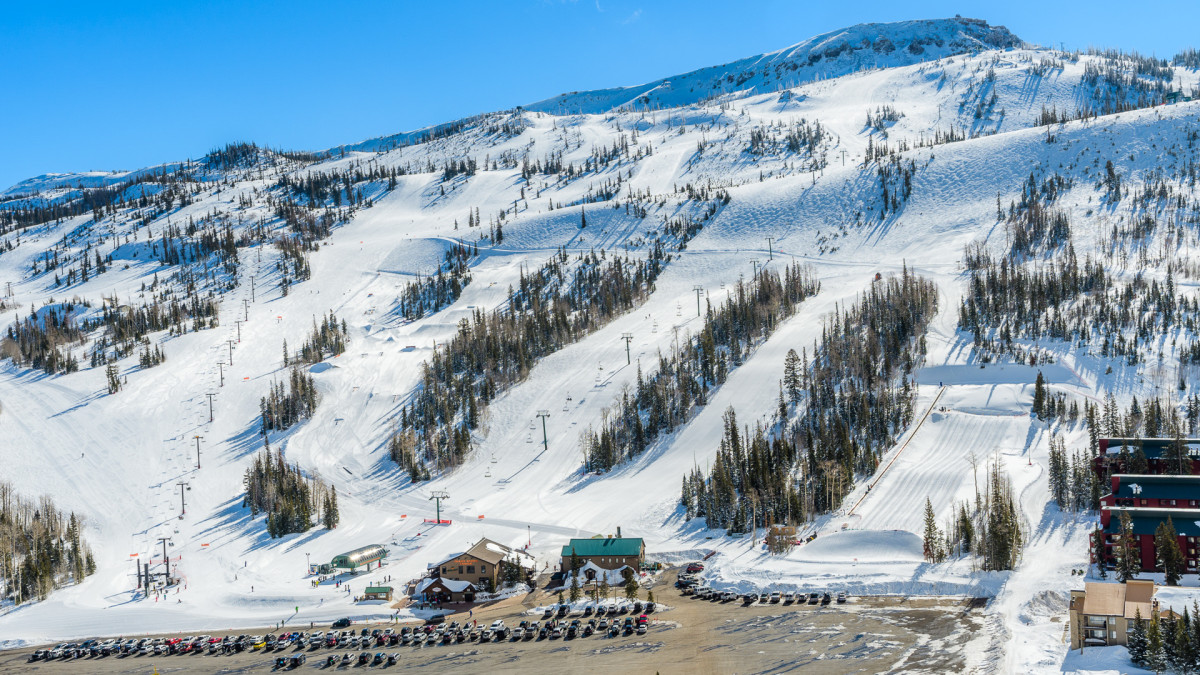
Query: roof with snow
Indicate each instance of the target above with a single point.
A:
(1157, 487)
(1146, 520)
(1152, 447)
(452, 585)
(614, 546)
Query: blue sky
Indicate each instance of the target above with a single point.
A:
(124, 85)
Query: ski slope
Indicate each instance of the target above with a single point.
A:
(118, 459)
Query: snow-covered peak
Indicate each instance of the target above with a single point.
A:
(832, 54)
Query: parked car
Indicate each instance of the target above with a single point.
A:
(841, 597)
(694, 567)
(729, 595)
(341, 623)
(826, 598)
(814, 598)
(789, 597)
(775, 597)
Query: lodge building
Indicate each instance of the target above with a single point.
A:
(1149, 501)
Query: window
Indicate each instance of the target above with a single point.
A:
(1143, 502)
(470, 569)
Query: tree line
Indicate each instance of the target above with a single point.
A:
(552, 307)
(41, 548)
(291, 500)
(990, 529)
(288, 401)
(431, 294)
(836, 415)
(696, 366)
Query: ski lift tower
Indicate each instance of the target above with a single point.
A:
(437, 496)
(545, 439)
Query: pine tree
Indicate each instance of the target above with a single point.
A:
(1169, 557)
(1129, 558)
(1178, 460)
(1156, 652)
(1183, 657)
(574, 588)
(791, 376)
(331, 516)
(631, 583)
(1039, 396)
(1136, 642)
(933, 537)
(966, 529)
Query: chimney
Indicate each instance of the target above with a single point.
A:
(618, 532)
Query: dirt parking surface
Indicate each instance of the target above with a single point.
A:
(867, 635)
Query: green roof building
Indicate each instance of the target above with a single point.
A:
(609, 553)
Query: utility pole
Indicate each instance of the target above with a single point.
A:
(182, 506)
(754, 262)
(246, 303)
(166, 562)
(251, 288)
(198, 437)
(230, 342)
(210, 408)
(770, 249)
(627, 337)
(239, 327)
(545, 440)
(437, 496)
(697, 288)
(221, 368)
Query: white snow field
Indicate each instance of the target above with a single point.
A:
(118, 459)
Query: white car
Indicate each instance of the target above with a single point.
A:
(776, 596)
(498, 624)
(789, 597)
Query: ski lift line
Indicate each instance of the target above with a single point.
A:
(878, 476)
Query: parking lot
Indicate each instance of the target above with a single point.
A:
(687, 635)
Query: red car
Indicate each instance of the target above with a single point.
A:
(695, 567)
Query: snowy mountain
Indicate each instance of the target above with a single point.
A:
(830, 55)
(134, 303)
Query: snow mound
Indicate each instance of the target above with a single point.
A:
(862, 546)
(1045, 604)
